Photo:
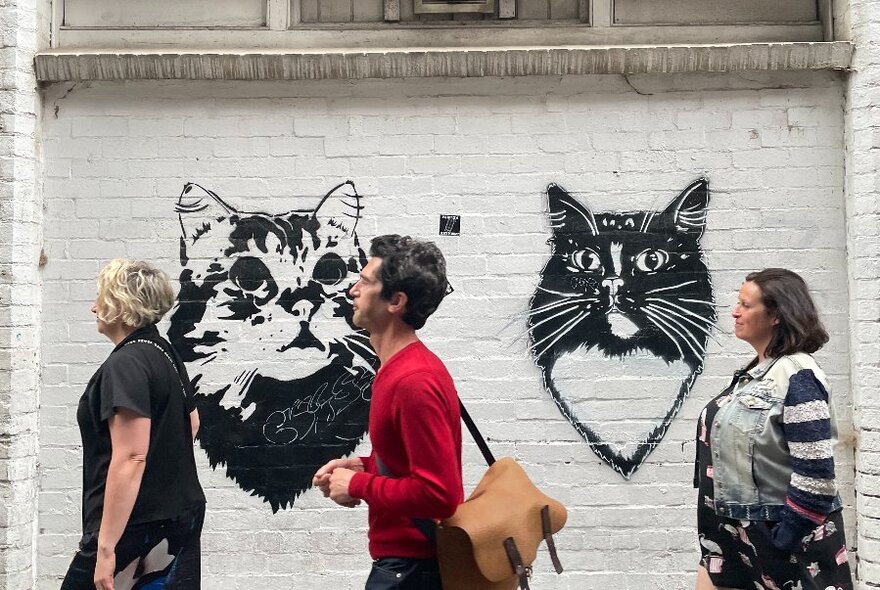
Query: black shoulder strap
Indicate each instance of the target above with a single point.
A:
(475, 433)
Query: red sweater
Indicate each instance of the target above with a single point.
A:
(415, 427)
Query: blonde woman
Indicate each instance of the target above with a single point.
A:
(142, 504)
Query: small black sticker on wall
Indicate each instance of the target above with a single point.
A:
(450, 225)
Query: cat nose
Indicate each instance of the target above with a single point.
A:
(301, 308)
(612, 284)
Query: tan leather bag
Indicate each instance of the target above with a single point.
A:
(492, 539)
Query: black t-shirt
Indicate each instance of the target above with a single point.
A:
(140, 375)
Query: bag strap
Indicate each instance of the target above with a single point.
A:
(516, 562)
(475, 433)
(167, 356)
(162, 350)
(548, 537)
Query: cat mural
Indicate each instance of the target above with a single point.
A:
(282, 375)
(620, 320)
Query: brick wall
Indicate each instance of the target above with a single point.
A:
(863, 245)
(118, 155)
(20, 233)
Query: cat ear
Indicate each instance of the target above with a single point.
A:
(197, 208)
(687, 212)
(566, 215)
(340, 208)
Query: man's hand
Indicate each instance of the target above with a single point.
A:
(104, 568)
(322, 477)
(338, 487)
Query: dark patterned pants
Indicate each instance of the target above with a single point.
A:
(161, 555)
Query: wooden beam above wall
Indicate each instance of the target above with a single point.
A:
(61, 65)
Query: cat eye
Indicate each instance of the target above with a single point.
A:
(650, 260)
(330, 269)
(584, 260)
(252, 276)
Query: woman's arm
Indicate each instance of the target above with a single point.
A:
(130, 440)
(194, 423)
(807, 430)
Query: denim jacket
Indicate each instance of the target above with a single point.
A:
(750, 458)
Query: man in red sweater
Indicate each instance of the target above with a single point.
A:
(413, 475)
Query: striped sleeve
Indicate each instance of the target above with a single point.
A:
(807, 429)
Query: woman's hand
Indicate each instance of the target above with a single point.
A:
(104, 569)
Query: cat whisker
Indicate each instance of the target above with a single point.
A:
(678, 328)
(700, 328)
(570, 307)
(704, 321)
(681, 338)
(562, 293)
(555, 304)
(660, 327)
(556, 315)
(652, 291)
(676, 318)
(708, 326)
(516, 318)
(559, 333)
(699, 301)
(665, 301)
(704, 329)
(547, 307)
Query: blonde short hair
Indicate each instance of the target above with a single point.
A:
(134, 291)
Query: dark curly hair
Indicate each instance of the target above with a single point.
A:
(787, 298)
(415, 268)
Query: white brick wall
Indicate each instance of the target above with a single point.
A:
(20, 236)
(863, 246)
(117, 156)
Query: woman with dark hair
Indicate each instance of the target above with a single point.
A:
(142, 504)
(768, 513)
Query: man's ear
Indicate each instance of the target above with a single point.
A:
(397, 302)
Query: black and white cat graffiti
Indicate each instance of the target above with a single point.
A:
(621, 318)
(263, 321)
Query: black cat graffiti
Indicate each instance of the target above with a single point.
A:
(282, 375)
(620, 320)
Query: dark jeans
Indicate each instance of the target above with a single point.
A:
(401, 573)
(163, 554)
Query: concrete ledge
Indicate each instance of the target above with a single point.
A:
(59, 65)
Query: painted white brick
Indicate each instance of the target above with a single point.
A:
(329, 126)
(484, 149)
